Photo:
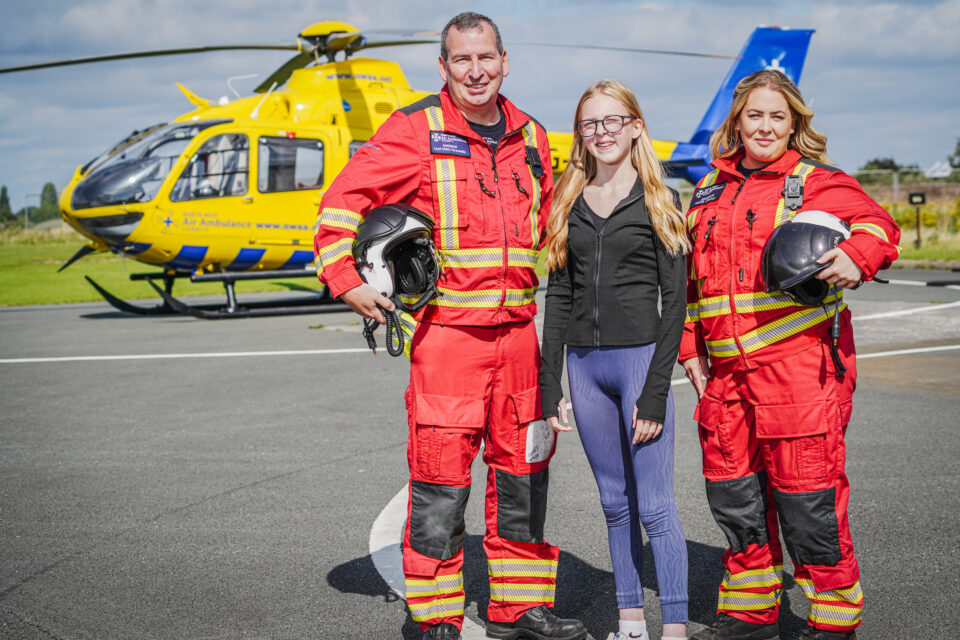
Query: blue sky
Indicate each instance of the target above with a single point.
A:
(882, 77)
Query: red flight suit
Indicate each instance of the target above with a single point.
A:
(474, 354)
(773, 414)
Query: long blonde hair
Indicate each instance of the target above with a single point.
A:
(666, 218)
(806, 140)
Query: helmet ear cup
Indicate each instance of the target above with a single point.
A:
(409, 274)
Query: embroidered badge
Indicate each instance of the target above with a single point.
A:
(706, 194)
(449, 144)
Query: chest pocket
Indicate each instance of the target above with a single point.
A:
(448, 178)
(704, 255)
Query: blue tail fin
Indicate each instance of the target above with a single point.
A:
(767, 48)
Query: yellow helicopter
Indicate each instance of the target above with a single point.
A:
(229, 191)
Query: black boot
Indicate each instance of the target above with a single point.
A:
(730, 628)
(442, 631)
(538, 624)
(819, 634)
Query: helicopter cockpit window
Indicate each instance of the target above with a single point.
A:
(217, 169)
(134, 170)
(289, 164)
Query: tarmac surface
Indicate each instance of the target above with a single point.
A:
(169, 477)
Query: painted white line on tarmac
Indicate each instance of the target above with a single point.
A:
(387, 532)
(921, 283)
(906, 312)
(174, 356)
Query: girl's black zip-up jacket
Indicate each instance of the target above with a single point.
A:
(606, 296)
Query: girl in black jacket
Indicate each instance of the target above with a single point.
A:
(616, 242)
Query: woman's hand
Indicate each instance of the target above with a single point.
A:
(844, 272)
(644, 430)
(697, 369)
(561, 423)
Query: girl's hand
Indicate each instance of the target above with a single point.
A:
(644, 430)
(561, 423)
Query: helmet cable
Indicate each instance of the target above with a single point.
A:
(395, 337)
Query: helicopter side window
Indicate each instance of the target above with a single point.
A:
(289, 164)
(218, 169)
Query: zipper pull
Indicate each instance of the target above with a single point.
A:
(751, 216)
(741, 275)
(516, 178)
(737, 192)
(483, 187)
(493, 163)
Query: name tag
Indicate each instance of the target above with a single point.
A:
(706, 194)
(449, 144)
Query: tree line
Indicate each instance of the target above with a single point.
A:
(29, 214)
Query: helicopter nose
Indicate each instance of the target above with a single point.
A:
(112, 229)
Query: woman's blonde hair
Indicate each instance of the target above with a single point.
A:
(806, 140)
(667, 220)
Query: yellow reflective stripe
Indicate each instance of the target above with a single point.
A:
(530, 139)
(434, 609)
(434, 118)
(508, 592)
(693, 312)
(772, 577)
(343, 218)
(522, 257)
(870, 228)
(747, 601)
(441, 585)
(335, 251)
(499, 568)
(851, 595)
(484, 298)
(447, 200)
(520, 297)
(750, 303)
(471, 258)
(775, 331)
(785, 327)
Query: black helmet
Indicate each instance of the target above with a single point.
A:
(394, 252)
(789, 261)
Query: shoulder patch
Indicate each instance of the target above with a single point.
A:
(706, 195)
(420, 105)
(819, 164)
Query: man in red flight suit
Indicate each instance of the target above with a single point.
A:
(480, 168)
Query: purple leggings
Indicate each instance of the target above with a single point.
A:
(635, 480)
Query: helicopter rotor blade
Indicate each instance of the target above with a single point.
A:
(148, 54)
(280, 76)
(665, 52)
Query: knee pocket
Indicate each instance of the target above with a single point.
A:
(739, 506)
(436, 519)
(809, 524)
(522, 505)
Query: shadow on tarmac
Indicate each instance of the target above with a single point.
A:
(583, 591)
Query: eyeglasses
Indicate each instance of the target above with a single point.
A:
(611, 124)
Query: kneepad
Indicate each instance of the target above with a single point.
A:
(436, 518)
(522, 505)
(809, 524)
(740, 506)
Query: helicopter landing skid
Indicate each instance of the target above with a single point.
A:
(172, 305)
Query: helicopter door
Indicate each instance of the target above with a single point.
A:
(206, 202)
(290, 174)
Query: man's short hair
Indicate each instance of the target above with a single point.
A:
(464, 22)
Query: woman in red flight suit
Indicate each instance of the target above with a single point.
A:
(775, 408)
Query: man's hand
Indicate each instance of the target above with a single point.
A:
(644, 430)
(696, 368)
(844, 272)
(364, 300)
(561, 423)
